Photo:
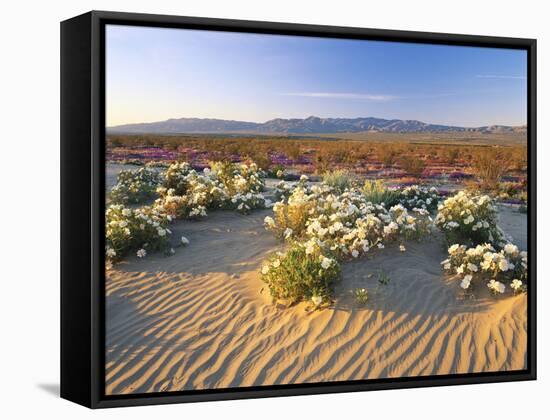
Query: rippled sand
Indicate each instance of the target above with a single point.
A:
(200, 319)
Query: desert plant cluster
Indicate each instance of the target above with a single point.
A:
(324, 221)
(325, 227)
(135, 186)
(183, 193)
(320, 222)
(484, 265)
(494, 164)
(480, 251)
(469, 219)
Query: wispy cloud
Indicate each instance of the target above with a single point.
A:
(498, 76)
(343, 95)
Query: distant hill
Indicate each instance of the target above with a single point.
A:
(308, 125)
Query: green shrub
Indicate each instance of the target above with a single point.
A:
(361, 295)
(339, 179)
(377, 193)
(300, 275)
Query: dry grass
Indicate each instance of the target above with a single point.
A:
(489, 166)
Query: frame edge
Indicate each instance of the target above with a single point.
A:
(75, 124)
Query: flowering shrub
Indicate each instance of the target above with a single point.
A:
(187, 194)
(469, 219)
(347, 241)
(483, 264)
(282, 190)
(404, 225)
(290, 218)
(344, 225)
(177, 177)
(244, 203)
(302, 273)
(129, 230)
(241, 178)
(191, 206)
(135, 186)
(419, 197)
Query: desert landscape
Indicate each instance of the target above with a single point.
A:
(297, 209)
(204, 317)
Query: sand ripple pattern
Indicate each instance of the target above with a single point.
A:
(198, 320)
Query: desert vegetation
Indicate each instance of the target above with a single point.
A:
(324, 220)
(495, 169)
(365, 236)
(183, 193)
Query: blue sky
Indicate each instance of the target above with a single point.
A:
(154, 74)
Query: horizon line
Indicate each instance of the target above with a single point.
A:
(522, 124)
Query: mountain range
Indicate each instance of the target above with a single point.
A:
(310, 125)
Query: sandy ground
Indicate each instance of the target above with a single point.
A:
(200, 319)
(112, 170)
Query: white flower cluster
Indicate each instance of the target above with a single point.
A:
(135, 186)
(484, 263)
(185, 194)
(469, 219)
(324, 227)
(245, 202)
(345, 224)
(238, 178)
(130, 229)
(188, 194)
(283, 190)
(418, 197)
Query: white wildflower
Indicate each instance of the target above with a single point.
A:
(516, 285)
(465, 283)
(503, 264)
(453, 248)
(510, 248)
(472, 267)
(496, 286)
(326, 262)
(317, 300)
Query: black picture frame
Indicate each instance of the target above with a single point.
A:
(83, 203)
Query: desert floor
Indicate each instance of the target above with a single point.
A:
(201, 318)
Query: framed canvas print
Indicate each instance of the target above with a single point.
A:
(255, 209)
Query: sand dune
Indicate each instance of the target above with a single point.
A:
(199, 319)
